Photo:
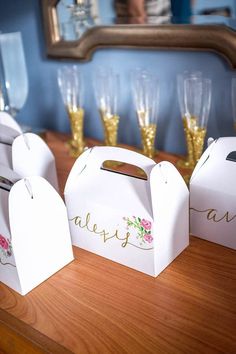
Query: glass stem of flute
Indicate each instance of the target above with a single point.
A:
(110, 126)
(148, 134)
(76, 116)
(195, 137)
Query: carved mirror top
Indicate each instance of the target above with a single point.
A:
(77, 16)
(75, 28)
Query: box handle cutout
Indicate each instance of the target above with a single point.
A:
(231, 156)
(125, 169)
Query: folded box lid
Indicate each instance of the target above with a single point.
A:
(106, 188)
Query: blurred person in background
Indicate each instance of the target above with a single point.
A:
(143, 11)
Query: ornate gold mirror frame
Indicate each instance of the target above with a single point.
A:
(216, 38)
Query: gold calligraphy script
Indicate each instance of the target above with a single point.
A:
(6, 263)
(103, 233)
(213, 214)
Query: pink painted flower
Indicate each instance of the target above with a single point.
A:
(146, 224)
(3, 243)
(148, 238)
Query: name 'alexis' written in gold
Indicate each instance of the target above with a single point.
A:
(106, 235)
(87, 224)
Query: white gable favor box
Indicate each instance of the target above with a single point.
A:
(27, 154)
(213, 194)
(31, 156)
(143, 224)
(34, 232)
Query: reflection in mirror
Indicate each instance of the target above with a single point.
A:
(74, 29)
(77, 16)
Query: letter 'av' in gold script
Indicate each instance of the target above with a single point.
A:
(213, 215)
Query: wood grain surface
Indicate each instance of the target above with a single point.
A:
(18, 337)
(94, 305)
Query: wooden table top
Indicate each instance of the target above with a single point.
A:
(94, 305)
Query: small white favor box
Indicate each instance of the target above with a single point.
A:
(34, 232)
(143, 224)
(213, 194)
(27, 154)
(31, 156)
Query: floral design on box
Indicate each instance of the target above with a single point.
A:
(5, 249)
(143, 227)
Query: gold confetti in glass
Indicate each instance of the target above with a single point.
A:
(70, 84)
(197, 100)
(188, 162)
(145, 90)
(106, 87)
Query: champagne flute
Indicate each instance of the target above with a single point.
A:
(145, 91)
(189, 161)
(106, 87)
(197, 101)
(71, 88)
(15, 72)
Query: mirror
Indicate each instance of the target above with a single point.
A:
(75, 28)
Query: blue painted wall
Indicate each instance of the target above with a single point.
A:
(44, 108)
